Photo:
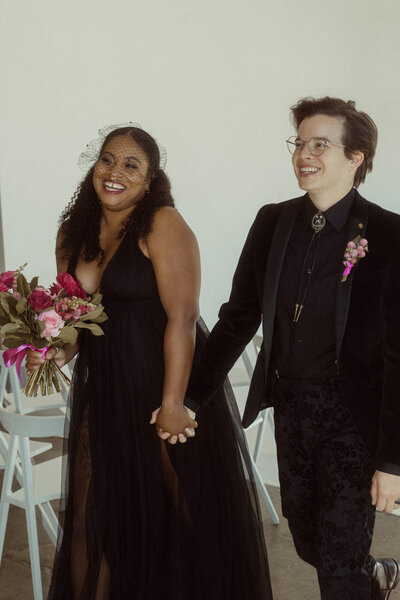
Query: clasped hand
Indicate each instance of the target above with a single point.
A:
(174, 424)
(385, 490)
(34, 358)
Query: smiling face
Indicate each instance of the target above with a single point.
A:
(328, 177)
(120, 175)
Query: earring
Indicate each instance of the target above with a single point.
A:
(147, 191)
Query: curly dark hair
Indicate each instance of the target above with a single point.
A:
(360, 132)
(80, 220)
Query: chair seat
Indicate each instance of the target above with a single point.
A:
(36, 448)
(36, 404)
(46, 483)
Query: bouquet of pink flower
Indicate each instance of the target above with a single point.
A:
(34, 317)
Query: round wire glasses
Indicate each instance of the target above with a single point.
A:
(316, 145)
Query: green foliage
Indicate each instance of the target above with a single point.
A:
(96, 298)
(9, 304)
(22, 284)
(21, 305)
(94, 315)
(95, 329)
(33, 284)
(9, 328)
(14, 340)
(68, 335)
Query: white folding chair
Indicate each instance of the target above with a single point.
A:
(266, 416)
(38, 483)
(12, 451)
(239, 377)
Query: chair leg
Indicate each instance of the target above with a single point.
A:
(264, 493)
(49, 521)
(6, 489)
(31, 518)
(260, 435)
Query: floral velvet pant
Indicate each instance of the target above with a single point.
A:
(325, 472)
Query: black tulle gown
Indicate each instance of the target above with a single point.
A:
(158, 522)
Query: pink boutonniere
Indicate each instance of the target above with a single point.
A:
(355, 250)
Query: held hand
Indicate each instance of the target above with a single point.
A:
(174, 424)
(34, 359)
(385, 490)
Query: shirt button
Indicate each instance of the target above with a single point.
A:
(299, 340)
(309, 271)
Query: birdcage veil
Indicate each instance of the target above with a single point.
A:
(89, 156)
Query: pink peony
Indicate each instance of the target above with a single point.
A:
(363, 242)
(7, 278)
(354, 253)
(53, 323)
(70, 285)
(39, 299)
(351, 245)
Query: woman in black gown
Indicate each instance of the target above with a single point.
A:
(147, 519)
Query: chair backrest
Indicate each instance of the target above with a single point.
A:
(32, 425)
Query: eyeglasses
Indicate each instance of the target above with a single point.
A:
(315, 145)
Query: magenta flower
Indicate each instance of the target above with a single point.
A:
(39, 299)
(354, 251)
(7, 278)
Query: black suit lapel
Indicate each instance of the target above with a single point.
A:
(356, 226)
(276, 256)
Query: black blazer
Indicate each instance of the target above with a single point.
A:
(367, 323)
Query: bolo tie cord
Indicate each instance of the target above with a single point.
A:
(300, 303)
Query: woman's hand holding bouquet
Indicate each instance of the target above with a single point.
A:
(47, 322)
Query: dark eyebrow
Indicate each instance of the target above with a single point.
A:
(126, 157)
(317, 137)
(133, 158)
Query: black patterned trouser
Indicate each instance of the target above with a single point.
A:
(325, 473)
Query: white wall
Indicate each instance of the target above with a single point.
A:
(212, 80)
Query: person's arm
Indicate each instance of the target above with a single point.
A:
(386, 481)
(173, 251)
(61, 356)
(239, 319)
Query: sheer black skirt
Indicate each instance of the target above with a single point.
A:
(145, 520)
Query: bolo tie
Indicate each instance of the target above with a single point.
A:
(318, 222)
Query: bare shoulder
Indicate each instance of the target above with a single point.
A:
(168, 222)
(167, 217)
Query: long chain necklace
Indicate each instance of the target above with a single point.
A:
(318, 222)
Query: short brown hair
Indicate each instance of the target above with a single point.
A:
(360, 132)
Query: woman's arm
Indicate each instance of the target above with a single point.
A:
(173, 251)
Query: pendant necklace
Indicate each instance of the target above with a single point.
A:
(318, 222)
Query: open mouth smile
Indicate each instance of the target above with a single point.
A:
(111, 187)
(307, 171)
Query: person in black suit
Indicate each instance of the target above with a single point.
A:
(322, 272)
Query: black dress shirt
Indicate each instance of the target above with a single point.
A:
(306, 349)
